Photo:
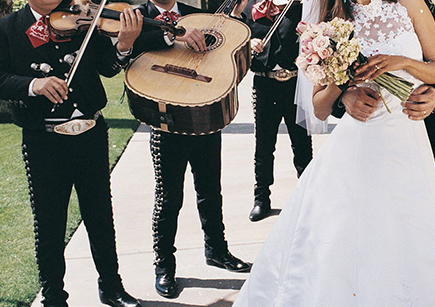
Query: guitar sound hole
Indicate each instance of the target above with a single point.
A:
(210, 40)
(213, 39)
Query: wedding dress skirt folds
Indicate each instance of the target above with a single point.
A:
(359, 227)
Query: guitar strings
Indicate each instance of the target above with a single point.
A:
(210, 28)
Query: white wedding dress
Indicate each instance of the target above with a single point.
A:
(359, 227)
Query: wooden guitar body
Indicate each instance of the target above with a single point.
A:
(182, 91)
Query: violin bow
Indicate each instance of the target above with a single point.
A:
(85, 42)
(276, 23)
(82, 49)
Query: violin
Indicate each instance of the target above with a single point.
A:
(83, 15)
(77, 17)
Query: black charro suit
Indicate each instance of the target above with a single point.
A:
(430, 120)
(151, 38)
(55, 162)
(171, 153)
(274, 100)
(430, 127)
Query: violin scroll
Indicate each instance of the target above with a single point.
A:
(177, 31)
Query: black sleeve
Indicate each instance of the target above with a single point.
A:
(338, 108)
(149, 40)
(108, 62)
(12, 86)
(151, 37)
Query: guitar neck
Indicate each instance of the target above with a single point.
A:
(227, 7)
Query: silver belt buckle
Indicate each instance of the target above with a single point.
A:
(75, 126)
(284, 74)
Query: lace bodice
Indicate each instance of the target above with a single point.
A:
(385, 27)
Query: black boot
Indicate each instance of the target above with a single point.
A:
(166, 285)
(259, 212)
(262, 207)
(53, 294)
(229, 262)
(117, 298)
(112, 293)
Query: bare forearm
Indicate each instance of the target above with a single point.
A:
(323, 100)
(424, 71)
(381, 63)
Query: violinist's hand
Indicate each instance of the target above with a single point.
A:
(238, 9)
(131, 26)
(421, 103)
(194, 38)
(256, 45)
(55, 89)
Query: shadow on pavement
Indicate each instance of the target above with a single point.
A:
(219, 303)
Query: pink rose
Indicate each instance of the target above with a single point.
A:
(307, 47)
(312, 58)
(326, 29)
(302, 26)
(320, 42)
(313, 30)
(315, 74)
(301, 62)
(325, 53)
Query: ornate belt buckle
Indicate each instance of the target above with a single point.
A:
(283, 75)
(75, 127)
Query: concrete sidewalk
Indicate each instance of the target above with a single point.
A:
(133, 188)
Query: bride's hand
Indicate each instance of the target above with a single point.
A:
(421, 103)
(379, 64)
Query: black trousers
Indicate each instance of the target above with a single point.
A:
(171, 153)
(430, 127)
(273, 101)
(54, 163)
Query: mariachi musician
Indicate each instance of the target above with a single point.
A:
(65, 139)
(273, 94)
(171, 153)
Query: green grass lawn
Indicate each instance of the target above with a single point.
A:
(18, 271)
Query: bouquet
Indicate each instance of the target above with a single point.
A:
(329, 51)
(431, 5)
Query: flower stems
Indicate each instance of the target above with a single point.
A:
(397, 86)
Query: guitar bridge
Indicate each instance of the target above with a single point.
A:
(181, 71)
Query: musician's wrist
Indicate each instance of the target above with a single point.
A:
(236, 16)
(169, 38)
(123, 49)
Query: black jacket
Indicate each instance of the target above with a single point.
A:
(151, 38)
(283, 47)
(17, 54)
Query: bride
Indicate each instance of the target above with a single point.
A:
(359, 227)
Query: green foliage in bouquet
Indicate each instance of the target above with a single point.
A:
(18, 5)
(431, 5)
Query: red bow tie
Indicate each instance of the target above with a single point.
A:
(264, 8)
(39, 33)
(173, 16)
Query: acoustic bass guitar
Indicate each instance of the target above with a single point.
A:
(179, 90)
